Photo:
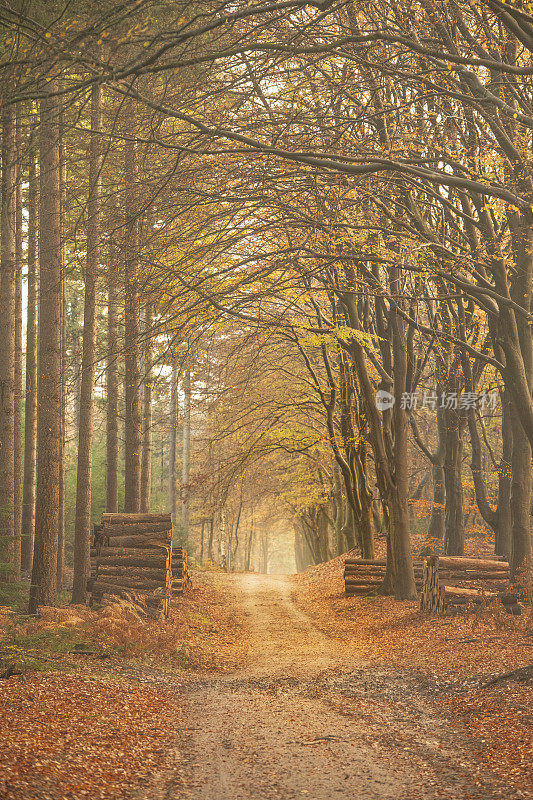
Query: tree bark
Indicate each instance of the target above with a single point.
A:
(454, 533)
(172, 445)
(44, 573)
(132, 373)
(112, 385)
(186, 453)
(146, 457)
(63, 339)
(82, 526)
(30, 418)
(7, 339)
(18, 424)
(520, 497)
(404, 580)
(502, 533)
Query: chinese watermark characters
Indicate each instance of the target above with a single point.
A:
(409, 401)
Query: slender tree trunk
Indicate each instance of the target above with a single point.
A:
(202, 537)
(30, 418)
(18, 424)
(436, 521)
(502, 537)
(132, 375)
(186, 453)
(146, 458)
(454, 533)
(210, 552)
(63, 421)
(264, 551)
(7, 339)
(44, 573)
(112, 386)
(172, 443)
(82, 528)
(250, 545)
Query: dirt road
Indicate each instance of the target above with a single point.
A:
(300, 720)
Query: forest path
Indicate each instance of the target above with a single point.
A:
(299, 720)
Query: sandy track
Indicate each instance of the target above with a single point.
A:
(300, 721)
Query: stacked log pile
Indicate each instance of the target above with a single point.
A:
(362, 576)
(451, 582)
(181, 578)
(131, 559)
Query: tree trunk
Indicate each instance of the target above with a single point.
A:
(82, 527)
(172, 444)
(202, 537)
(112, 385)
(365, 526)
(146, 457)
(502, 533)
(44, 573)
(522, 448)
(132, 376)
(454, 532)
(210, 552)
(7, 339)
(404, 579)
(30, 418)
(520, 497)
(264, 553)
(186, 453)
(64, 389)
(18, 425)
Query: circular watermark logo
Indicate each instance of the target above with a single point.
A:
(384, 400)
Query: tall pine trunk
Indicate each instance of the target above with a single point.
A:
(146, 458)
(49, 394)
(112, 386)
(18, 419)
(30, 418)
(132, 373)
(63, 339)
(7, 340)
(82, 528)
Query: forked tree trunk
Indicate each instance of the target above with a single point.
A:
(30, 418)
(82, 527)
(44, 573)
(7, 340)
(132, 372)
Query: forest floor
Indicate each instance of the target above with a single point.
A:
(271, 687)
